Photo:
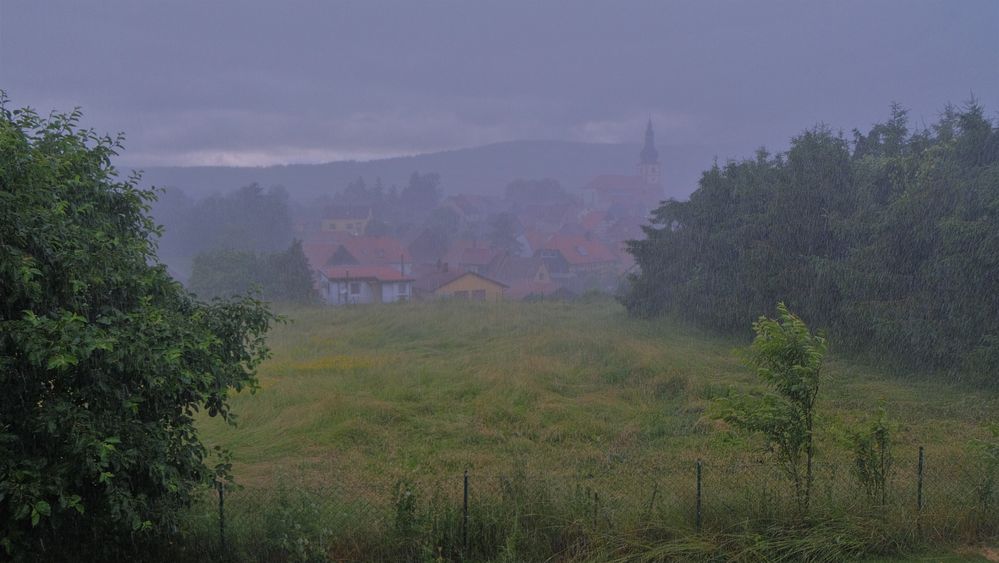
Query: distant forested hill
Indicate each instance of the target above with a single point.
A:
(482, 170)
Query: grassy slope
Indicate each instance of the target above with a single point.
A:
(574, 390)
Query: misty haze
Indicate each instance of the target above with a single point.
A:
(451, 281)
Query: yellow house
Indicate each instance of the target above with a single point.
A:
(466, 286)
(353, 220)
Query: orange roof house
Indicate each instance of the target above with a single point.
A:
(372, 251)
(582, 253)
(508, 268)
(458, 285)
(319, 253)
(470, 256)
(359, 251)
(525, 276)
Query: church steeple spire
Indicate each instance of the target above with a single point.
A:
(648, 163)
(649, 153)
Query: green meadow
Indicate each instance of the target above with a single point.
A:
(599, 417)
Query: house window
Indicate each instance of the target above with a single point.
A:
(355, 288)
(403, 289)
(460, 295)
(478, 295)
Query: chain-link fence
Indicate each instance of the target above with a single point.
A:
(478, 515)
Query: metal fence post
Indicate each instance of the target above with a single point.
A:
(920, 469)
(697, 512)
(464, 520)
(221, 488)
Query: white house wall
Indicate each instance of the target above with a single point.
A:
(339, 293)
(396, 291)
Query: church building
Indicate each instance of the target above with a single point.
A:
(631, 195)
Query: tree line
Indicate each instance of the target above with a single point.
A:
(889, 240)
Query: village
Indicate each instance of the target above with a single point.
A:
(553, 243)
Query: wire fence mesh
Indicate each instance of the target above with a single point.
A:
(478, 514)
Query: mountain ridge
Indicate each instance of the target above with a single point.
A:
(482, 170)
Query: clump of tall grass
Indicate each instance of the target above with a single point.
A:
(845, 539)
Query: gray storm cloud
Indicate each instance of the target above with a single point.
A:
(250, 83)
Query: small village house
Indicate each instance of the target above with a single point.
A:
(372, 251)
(470, 256)
(458, 285)
(579, 253)
(348, 250)
(524, 276)
(364, 284)
(347, 219)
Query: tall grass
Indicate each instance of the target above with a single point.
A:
(580, 428)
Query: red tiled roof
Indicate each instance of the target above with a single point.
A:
(592, 219)
(572, 229)
(319, 253)
(536, 238)
(371, 251)
(579, 250)
(513, 269)
(379, 273)
(376, 250)
(472, 252)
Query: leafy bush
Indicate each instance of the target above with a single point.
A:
(104, 359)
(296, 527)
(874, 463)
(788, 358)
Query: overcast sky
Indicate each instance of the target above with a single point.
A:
(264, 82)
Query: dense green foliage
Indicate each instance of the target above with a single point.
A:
(250, 219)
(891, 242)
(281, 276)
(104, 359)
(788, 358)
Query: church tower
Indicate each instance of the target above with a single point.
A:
(648, 164)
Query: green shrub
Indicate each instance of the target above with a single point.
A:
(873, 460)
(788, 359)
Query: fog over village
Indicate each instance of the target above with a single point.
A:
(499, 281)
